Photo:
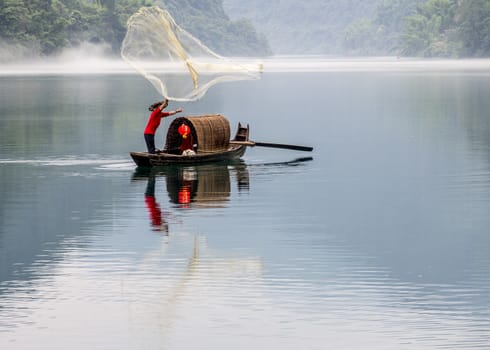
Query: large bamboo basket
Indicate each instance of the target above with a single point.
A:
(211, 133)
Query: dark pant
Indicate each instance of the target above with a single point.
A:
(150, 143)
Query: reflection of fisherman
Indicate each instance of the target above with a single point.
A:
(156, 116)
(157, 222)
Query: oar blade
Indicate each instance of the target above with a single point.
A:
(285, 146)
(273, 145)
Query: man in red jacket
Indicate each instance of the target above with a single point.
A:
(156, 116)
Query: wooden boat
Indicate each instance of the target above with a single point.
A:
(211, 142)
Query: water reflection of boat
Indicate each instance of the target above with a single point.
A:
(197, 186)
(204, 185)
(208, 140)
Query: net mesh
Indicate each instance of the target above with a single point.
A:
(178, 65)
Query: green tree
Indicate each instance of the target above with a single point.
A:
(381, 33)
(430, 31)
(473, 19)
(14, 20)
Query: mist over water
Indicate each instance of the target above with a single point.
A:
(91, 60)
(378, 241)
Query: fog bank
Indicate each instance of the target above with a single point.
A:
(92, 59)
(87, 58)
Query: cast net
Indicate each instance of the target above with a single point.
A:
(179, 66)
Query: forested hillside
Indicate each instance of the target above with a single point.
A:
(30, 28)
(428, 28)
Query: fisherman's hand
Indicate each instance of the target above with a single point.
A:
(178, 110)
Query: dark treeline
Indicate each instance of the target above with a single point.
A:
(46, 27)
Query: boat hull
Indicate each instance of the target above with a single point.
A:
(145, 159)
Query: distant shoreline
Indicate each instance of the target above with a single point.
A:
(276, 64)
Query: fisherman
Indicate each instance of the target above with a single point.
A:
(156, 116)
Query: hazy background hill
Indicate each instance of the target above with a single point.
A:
(427, 28)
(302, 27)
(323, 26)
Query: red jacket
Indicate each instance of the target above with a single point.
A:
(154, 121)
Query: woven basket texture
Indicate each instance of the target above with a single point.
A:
(211, 133)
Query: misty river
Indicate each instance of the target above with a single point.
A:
(378, 239)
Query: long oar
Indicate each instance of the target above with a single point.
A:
(273, 145)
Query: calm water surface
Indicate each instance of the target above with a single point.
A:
(380, 240)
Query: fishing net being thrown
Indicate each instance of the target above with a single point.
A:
(178, 65)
